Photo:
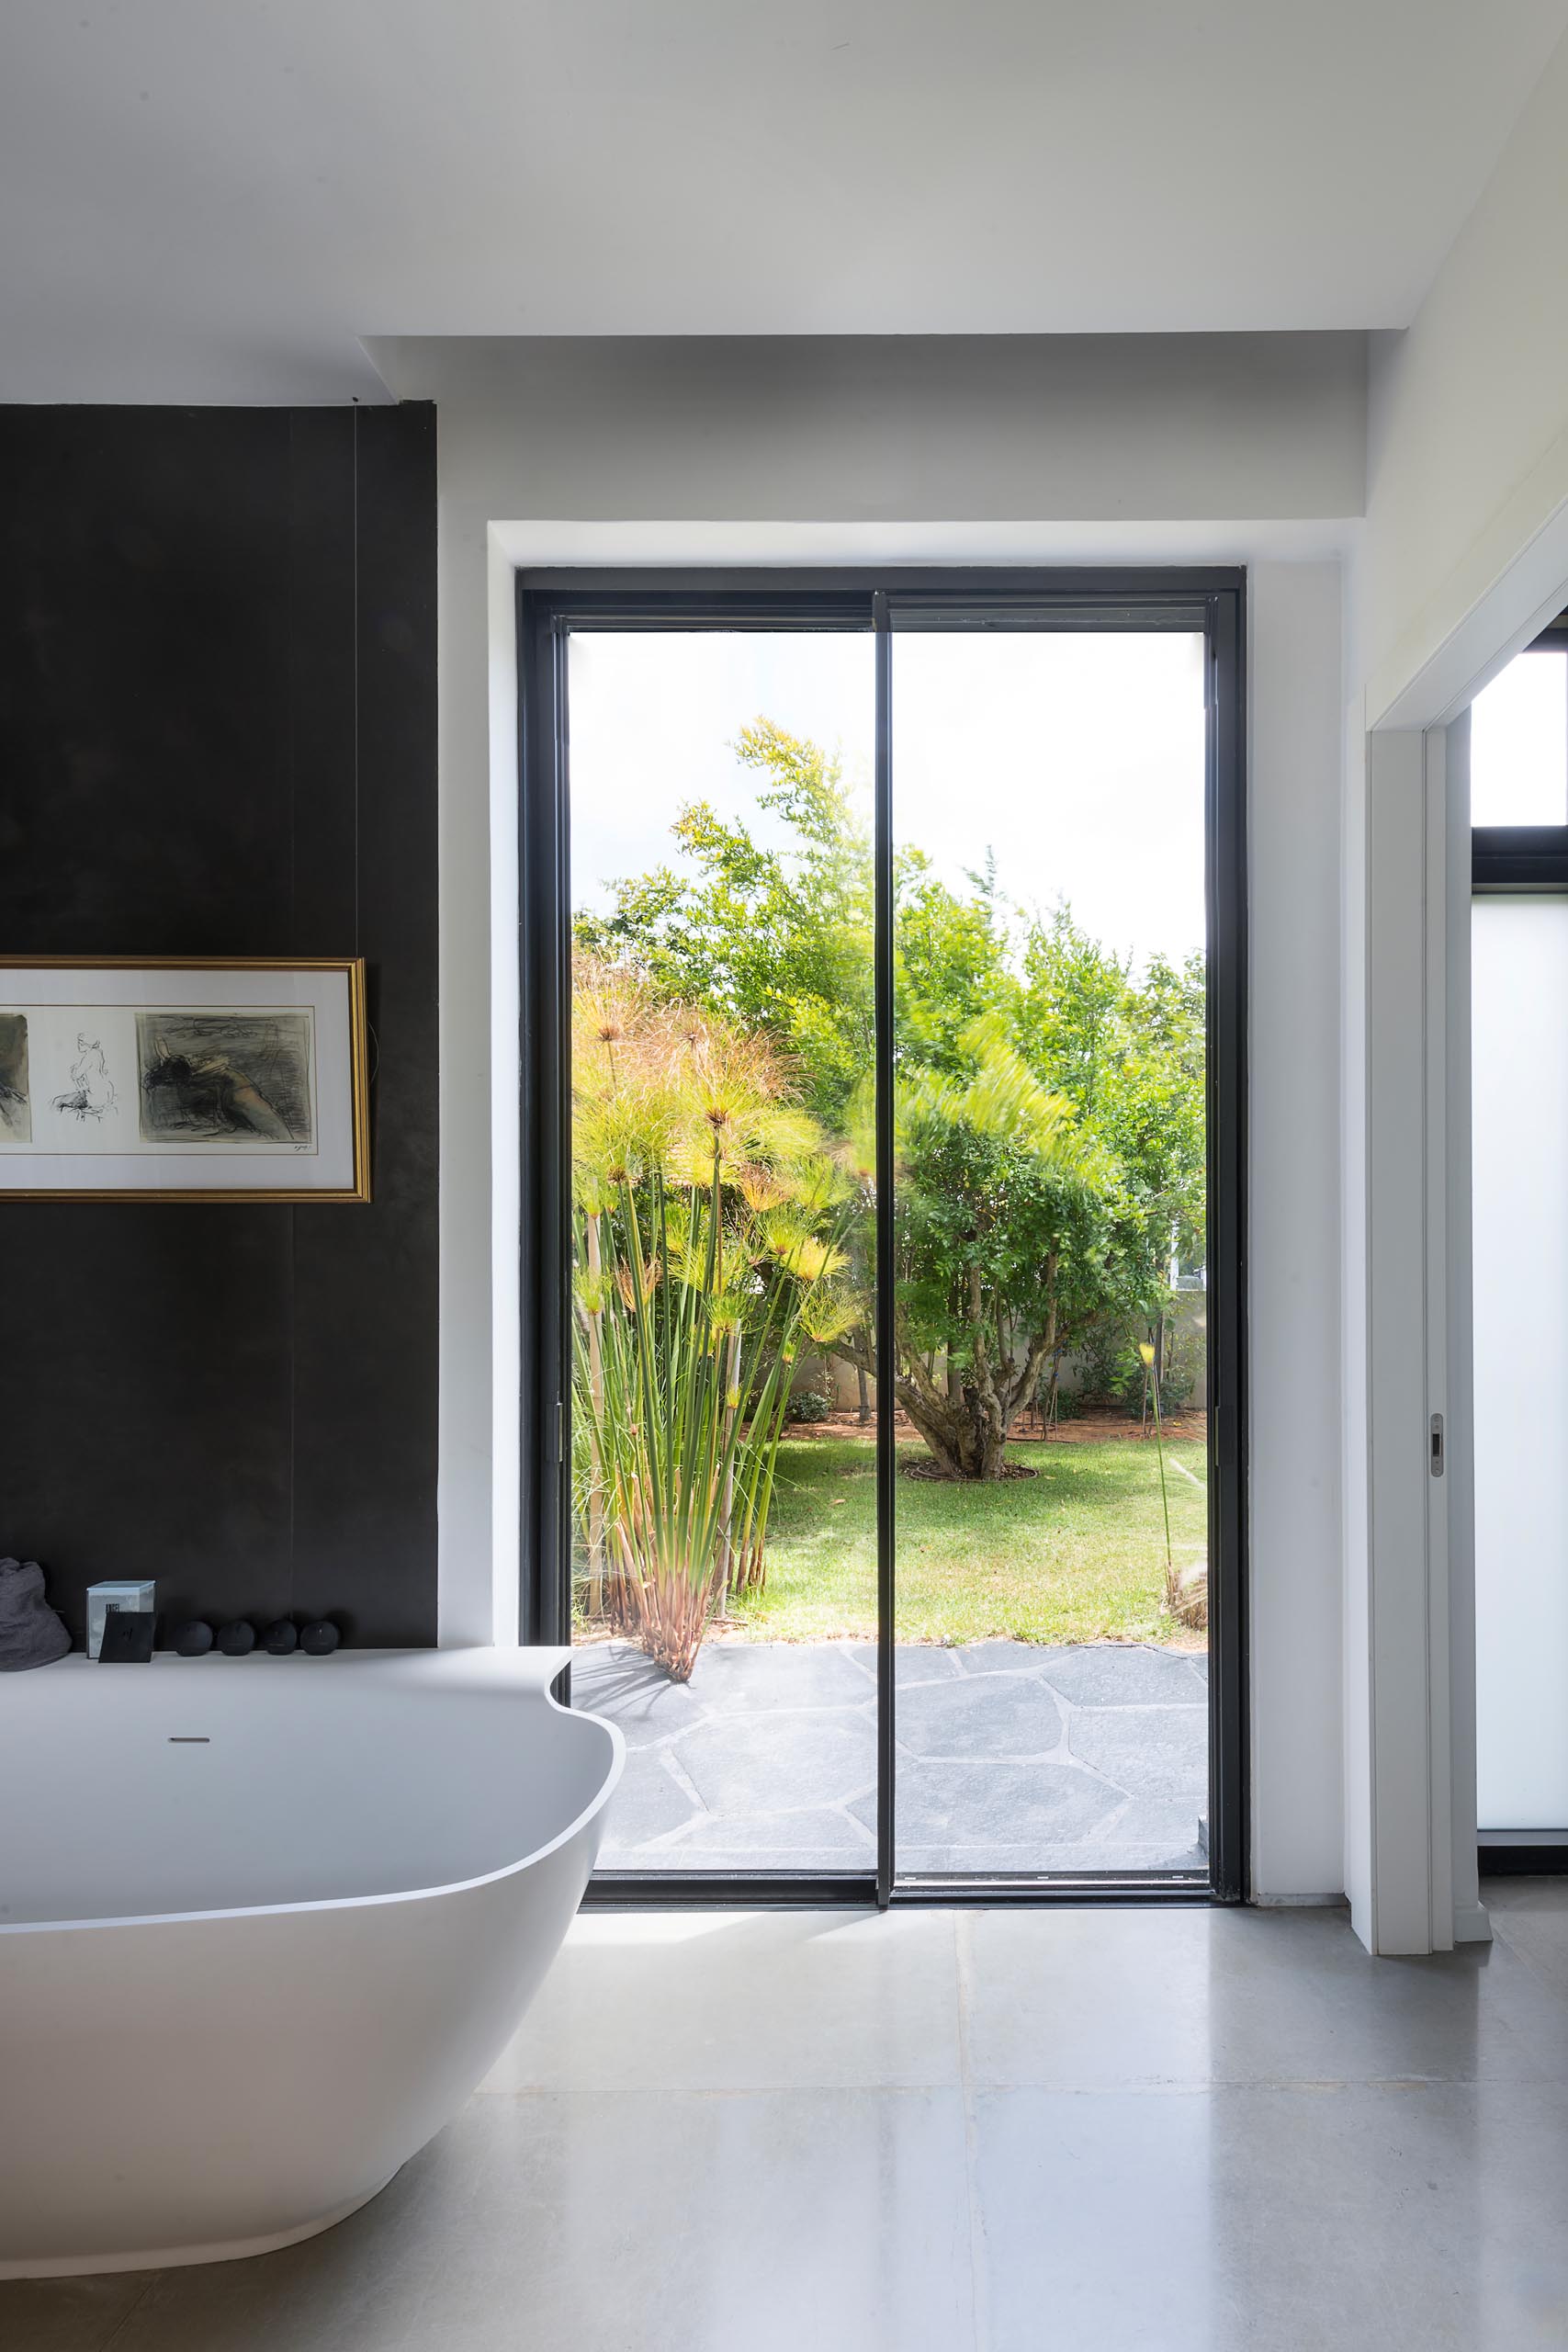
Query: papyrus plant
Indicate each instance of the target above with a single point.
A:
(708, 1219)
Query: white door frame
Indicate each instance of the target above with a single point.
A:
(1410, 1588)
(1401, 1894)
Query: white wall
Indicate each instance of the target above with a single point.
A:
(1354, 1461)
(1464, 554)
(1468, 433)
(897, 428)
(1244, 449)
(1293, 1260)
(1078, 450)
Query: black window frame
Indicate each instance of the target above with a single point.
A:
(882, 603)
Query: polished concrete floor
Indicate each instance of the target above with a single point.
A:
(1102, 2131)
(1012, 1758)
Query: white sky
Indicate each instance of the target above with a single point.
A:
(1519, 744)
(1076, 758)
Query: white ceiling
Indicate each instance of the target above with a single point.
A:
(215, 199)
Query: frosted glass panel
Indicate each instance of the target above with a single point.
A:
(1520, 1168)
(1519, 744)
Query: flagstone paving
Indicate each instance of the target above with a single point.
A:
(1012, 1758)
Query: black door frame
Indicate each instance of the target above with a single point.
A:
(881, 603)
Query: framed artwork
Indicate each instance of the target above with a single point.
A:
(240, 1079)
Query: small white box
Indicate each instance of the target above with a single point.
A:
(102, 1598)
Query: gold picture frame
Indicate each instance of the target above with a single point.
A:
(195, 1111)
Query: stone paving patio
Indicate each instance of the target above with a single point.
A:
(1012, 1758)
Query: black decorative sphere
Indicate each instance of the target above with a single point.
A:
(238, 1639)
(193, 1638)
(281, 1638)
(319, 1638)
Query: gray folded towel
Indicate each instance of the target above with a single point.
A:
(30, 1633)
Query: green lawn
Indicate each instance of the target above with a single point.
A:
(1076, 1554)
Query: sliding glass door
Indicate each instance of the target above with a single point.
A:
(1051, 1346)
(882, 957)
(723, 1525)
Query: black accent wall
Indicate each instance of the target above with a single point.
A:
(217, 709)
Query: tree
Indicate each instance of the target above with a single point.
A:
(1131, 1056)
(777, 941)
(1049, 1106)
(992, 1167)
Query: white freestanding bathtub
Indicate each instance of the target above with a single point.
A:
(264, 1922)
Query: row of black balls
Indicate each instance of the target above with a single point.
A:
(194, 1638)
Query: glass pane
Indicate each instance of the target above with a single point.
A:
(1519, 744)
(723, 1443)
(1051, 1536)
(1520, 984)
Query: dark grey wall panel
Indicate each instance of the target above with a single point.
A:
(217, 737)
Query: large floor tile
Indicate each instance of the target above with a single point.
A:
(1546, 1895)
(1386, 2218)
(1125, 2130)
(1531, 1916)
(724, 2000)
(68, 2315)
(624, 2222)
(1098, 1998)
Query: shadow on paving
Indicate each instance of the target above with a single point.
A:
(1012, 1758)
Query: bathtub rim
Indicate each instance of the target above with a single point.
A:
(543, 1665)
